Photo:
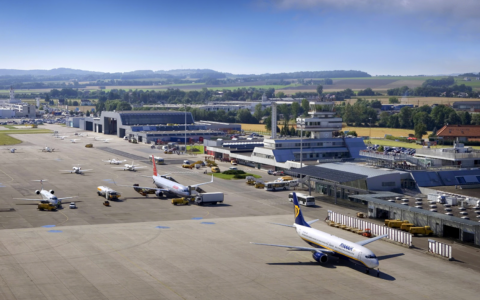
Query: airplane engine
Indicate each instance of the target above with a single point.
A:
(320, 257)
(52, 192)
(158, 194)
(37, 192)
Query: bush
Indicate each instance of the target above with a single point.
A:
(241, 176)
(233, 172)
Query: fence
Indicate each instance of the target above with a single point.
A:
(393, 234)
(440, 248)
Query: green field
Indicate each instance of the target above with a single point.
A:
(199, 147)
(6, 139)
(230, 177)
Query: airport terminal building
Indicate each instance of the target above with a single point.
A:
(146, 126)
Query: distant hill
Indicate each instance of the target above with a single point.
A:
(52, 72)
(193, 73)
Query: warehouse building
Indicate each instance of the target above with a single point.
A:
(146, 126)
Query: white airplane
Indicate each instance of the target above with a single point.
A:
(62, 137)
(76, 170)
(324, 244)
(47, 196)
(129, 167)
(75, 140)
(12, 150)
(82, 134)
(114, 161)
(47, 149)
(102, 140)
(165, 186)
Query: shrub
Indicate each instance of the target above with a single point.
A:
(233, 172)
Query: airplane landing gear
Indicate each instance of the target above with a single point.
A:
(378, 273)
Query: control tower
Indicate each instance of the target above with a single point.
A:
(321, 121)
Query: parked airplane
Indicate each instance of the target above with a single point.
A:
(62, 137)
(325, 244)
(12, 150)
(47, 149)
(128, 167)
(47, 196)
(102, 140)
(75, 140)
(76, 170)
(114, 161)
(165, 186)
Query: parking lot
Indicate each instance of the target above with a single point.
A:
(146, 248)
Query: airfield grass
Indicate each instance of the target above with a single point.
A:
(198, 147)
(6, 139)
(230, 176)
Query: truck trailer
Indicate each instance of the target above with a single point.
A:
(209, 198)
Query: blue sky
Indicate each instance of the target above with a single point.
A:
(397, 37)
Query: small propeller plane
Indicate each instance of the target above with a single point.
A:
(114, 161)
(47, 196)
(128, 167)
(47, 149)
(76, 170)
(75, 140)
(12, 150)
(62, 137)
(102, 140)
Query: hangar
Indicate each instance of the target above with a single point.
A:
(146, 126)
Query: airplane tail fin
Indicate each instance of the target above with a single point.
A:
(154, 167)
(299, 220)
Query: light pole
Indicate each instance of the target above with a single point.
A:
(370, 134)
(301, 142)
(185, 104)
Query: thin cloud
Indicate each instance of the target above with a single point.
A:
(444, 8)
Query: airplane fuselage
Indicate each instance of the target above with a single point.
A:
(343, 248)
(172, 186)
(49, 197)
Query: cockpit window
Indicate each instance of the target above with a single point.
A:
(370, 256)
(186, 190)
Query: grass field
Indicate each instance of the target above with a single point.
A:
(6, 139)
(199, 147)
(380, 132)
(415, 100)
(230, 177)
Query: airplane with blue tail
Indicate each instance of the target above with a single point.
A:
(323, 245)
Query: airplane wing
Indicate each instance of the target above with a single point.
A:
(195, 185)
(66, 198)
(88, 170)
(66, 171)
(364, 242)
(120, 168)
(38, 199)
(139, 168)
(295, 248)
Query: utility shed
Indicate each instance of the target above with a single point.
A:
(441, 224)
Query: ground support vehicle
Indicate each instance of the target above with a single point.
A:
(209, 198)
(250, 180)
(72, 205)
(181, 201)
(259, 184)
(46, 206)
(89, 146)
(276, 186)
(425, 230)
(303, 199)
(215, 170)
(406, 226)
(396, 223)
(108, 193)
(106, 203)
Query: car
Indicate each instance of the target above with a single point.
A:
(233, 168)
(233, 162)
(72, 205)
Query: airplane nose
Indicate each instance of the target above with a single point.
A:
(375, 264)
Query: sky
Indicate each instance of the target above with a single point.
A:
(381, 37)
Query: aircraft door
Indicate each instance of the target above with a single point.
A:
(359, 256)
